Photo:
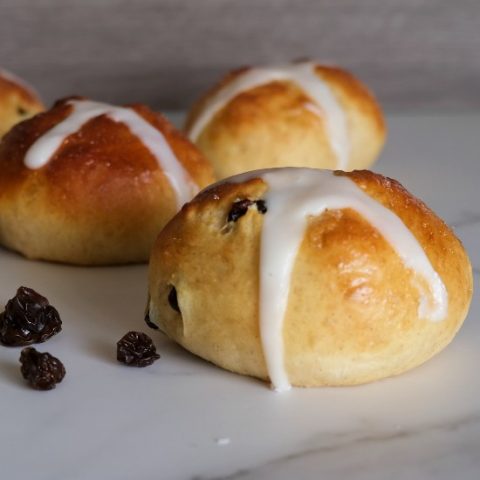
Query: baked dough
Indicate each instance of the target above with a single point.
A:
(363, 302)
(298, 115)
(18, 101)
(88, 183)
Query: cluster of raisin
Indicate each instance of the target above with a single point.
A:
(29, 318)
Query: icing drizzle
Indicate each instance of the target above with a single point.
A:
(293, 195)
(45, 147)
(304, 75)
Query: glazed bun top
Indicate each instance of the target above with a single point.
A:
(292, 207)
(298, 99)
(292, 197)
(80, 142)
(18, 101)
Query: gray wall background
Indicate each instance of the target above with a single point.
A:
(415, 54)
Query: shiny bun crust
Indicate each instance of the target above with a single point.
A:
(352, 310)
(270, 126)
(101, 199)
(17, 103)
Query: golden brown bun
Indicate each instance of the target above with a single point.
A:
(101, 199)
(17, 102)
(271, 126)
(352, 309)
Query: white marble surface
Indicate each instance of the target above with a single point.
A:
(183, 418)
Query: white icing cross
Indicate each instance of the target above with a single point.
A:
(293, 195)
(40, 153)
(303, 75)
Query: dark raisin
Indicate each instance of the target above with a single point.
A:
(21, 111)
(28, 318)
(136, 349)
(173, 300)
(41, 370)
(149, 322)
(240, 207)
(261, 206)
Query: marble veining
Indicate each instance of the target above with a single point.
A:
(466, 219)
(348, 440)
(106, 421)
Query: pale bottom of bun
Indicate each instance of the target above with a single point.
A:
(91, 242)
(80, 250)
(310, 370)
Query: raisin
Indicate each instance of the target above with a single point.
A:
(240, 207)
(28, 318)
(173, 299)
(261, 206)
(21, 111)
(41, 370)
(136, 349)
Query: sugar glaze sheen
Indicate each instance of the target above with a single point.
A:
(82, 111)
(344, 278)
(293, 195)
(87, 183)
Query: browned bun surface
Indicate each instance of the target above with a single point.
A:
(101, 199)
(352, 314)
(17, 102)
(273, 125)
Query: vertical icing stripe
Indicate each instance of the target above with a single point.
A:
(303, 75)
(40, 153)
